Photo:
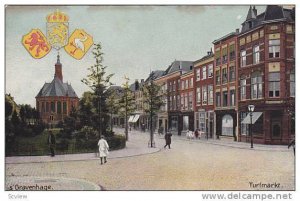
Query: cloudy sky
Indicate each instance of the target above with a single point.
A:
(135, 39)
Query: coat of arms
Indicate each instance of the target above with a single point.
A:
(57, 29)
(36, 44)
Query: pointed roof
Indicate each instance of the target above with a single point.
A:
(57, 88)
(251, 14)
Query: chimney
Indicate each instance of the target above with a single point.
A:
(237, 31)
(58, 69)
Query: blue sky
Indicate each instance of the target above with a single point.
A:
(135, 39)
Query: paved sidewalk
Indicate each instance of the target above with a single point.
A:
(137, 145)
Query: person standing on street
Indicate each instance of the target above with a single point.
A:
(51, 143)
(168, 139)
(103, 149)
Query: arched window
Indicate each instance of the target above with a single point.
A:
(256, 85)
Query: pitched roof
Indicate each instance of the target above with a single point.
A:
(155, 74)
(56, 88)
(272, 12)
(184, 66)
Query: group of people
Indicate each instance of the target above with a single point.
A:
(191, 135)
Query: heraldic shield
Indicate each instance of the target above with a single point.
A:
(36, 44)
(57, 29)
(79, 43)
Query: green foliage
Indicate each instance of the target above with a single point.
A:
(152, 98)
(98, 82)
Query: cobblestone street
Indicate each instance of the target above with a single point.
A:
(188, 165)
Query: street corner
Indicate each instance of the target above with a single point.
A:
(20, 183)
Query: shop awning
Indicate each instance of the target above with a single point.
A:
(255, 116)
(130, 118)
(136, 118)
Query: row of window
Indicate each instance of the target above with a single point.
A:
(204, 72)
(224, 57)
(54, 107)
(274, 85)
(207, 95)
(224, 102)
(226, 77)
(274, 52)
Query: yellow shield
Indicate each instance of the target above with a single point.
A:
(36, 44)
(79, 43)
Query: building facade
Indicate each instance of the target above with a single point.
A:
(266, 75)
(204, 94)
(225, 86)
(55, 100)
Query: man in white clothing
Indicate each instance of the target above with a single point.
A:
(103, 149)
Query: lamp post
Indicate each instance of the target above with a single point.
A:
(251, 109)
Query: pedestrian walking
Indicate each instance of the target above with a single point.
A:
(197, 133)
(168, 139)
(103, 149)
(292, 143)
(51, 143)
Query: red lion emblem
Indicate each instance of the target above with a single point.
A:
(37, 40)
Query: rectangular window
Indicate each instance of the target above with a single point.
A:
(178, 102)
(204, 95)
(174, 85)
(274, 48)
(256, 86)
(292, 84)
(210, 70)
(203, 72)
(225, 98)
(224, 75)
(197, 119)
(192, 82)
(256, 52)
(210, 94)
(232, 52)
(218, 78)
(182, 84)
(232, 73)
(243, 89)
(218, 58)
(186, 83)
(218, 99)
(185, 101)
(274, 84)
(190, 101)
(232, 97)
(224, 55)
(202, 121)
(198, 99)
(198, 74)
(52, 106)
(64, 107)
(58, 107)
(243, 58)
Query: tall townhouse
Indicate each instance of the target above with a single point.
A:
(173, 74)
(266, 75)
(225, 85)
(204, 94)
(162, 114)
(187, 100)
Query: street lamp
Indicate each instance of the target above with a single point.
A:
(251, 110)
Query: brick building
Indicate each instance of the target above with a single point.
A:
(204, 94)
(55, 99)
(173, 74)
(266, 75)
(225, 86)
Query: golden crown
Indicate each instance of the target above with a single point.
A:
(57, 16)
